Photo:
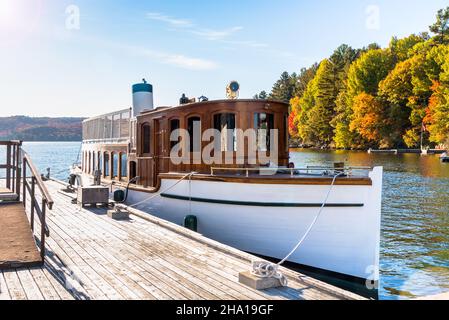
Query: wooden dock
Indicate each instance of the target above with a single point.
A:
(90, 256)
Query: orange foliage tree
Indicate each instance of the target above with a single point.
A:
(368, 120)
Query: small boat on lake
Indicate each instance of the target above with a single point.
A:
(444, 158)
(225, 165)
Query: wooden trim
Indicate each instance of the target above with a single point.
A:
(355, 181)
(263, 204)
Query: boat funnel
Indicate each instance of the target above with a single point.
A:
(142, 97)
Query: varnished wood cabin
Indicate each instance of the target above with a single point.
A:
(123, 147)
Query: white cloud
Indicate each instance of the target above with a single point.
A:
(223, 35)
(170, 20)
(247, 43)
(171, 58)
(189, 63)
(210, 34)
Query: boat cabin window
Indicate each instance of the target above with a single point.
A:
(174, 125)
(115, 165)
(225, 123)
(100, 162)
(132, 169)
(124, 161)
(263, 123)
(146, 141)
(106, 164)
(89, 163)
(194, 129)
(94, 156)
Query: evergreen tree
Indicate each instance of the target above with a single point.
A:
(305, 76)
(284, 88)
(441, 27)
(261, 96)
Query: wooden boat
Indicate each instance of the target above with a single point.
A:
(248, 203)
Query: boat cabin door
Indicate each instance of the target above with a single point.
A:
(161, 146)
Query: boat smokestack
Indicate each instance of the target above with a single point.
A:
(142, 97)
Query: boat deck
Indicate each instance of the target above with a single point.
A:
(90, 256)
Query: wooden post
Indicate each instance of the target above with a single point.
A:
(33, 200)
(18, 170)
(24, 192)
(43, 224)
(8, 166)
(13, 169)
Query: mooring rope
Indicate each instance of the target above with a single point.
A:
(163, 191)
(263, 269)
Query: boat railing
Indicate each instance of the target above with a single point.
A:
(321, 170)
(29, 186)
(115, 127)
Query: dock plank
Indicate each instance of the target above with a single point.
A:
(4, 293)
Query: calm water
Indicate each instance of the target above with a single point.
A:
(415, 224)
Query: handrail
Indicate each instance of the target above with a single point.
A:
(47, 201)
(10, 143)
(35, 173)
(17, 163)
(291, 170)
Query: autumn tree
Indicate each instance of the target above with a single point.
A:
(396, 91)
(364, 76)
(441, 27)
(368, 118)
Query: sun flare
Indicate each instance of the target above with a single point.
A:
(7, 11)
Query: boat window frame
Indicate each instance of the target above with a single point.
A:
(106, 164)
(145, 144)
(235, 114)
(121, 167)
(89, 163)
(100, 162)
(273, 114)
(187, 119)
(115, 173)
(172, 144)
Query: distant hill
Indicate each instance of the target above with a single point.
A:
(40, 129)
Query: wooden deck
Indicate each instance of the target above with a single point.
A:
(90, 256)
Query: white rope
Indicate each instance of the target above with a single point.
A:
(263, 269)
(158, 194)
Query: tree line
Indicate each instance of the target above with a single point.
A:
(373, 97)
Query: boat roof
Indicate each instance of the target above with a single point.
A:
(188, 105)
(205, 103)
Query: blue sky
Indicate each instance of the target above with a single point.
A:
(192, 47)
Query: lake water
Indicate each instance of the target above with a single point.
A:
(415, 209)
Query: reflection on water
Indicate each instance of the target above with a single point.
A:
(414, 257)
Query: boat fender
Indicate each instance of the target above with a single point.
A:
(191, 223)
(119, 196)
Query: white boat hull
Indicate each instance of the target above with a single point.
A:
(269, 220)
